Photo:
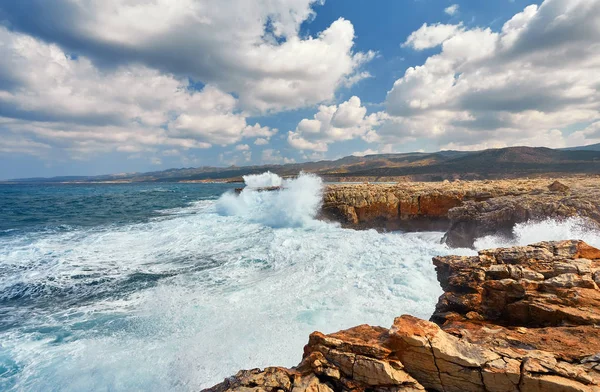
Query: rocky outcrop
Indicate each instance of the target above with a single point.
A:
(558, 186)
(499, 215)
(465, 210)
(541, 285)
(517, 319)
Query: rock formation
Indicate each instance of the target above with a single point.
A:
(516, 319)
(558, 186)
(466, 210)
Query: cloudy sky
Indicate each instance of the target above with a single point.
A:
(109, 86)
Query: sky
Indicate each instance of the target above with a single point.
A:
(93, 87)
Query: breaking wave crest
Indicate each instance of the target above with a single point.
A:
(264, 180)
(294, 205)
(575, 228)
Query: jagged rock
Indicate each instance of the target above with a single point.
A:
(518, 319)
(545, 284)
(558, 186)
(499, 215)
(269, 380)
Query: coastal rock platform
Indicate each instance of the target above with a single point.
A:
(513, 319)
(465, 210)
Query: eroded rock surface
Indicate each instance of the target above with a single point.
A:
(465, 209)
(516, 319)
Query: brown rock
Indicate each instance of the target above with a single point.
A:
(558, 186)
(545, 284)
(465, 209)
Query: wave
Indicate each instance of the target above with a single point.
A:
(264, 180)
(574, 228)
(295, 205)
(220, 285)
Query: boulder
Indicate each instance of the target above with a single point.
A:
(558, 186)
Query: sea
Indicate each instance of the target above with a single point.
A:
(173, 287)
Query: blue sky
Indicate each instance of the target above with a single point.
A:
(109, 86)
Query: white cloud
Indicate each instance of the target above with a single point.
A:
(242, 147)
(332, 124)
(252, 48)
(368, 151)
(385, 149)
(521, 85)
(430, 36)
(50, 98)
(19, 145)
(261, 141)
(452, 10)
(589, 135)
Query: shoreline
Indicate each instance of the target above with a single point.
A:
(465, 210)
(495, 329)
(517, 319)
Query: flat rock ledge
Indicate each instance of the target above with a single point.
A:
(465, 210)
(515, 319)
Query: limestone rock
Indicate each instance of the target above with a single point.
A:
(545, 284)
(466, 210)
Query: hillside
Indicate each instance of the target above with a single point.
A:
(487, 164)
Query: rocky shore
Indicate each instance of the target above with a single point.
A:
(515, 319)
(464, 209)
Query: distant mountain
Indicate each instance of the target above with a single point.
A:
(493, 163)
(591, 147)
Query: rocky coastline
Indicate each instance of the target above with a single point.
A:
(465, 210)
(525, 318)
(514, 319)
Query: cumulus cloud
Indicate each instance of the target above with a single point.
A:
(242, 147)
(261, 141)
(334, 123)
(385, 149)
(588, 135)
(452, 10)
(251, 48)
(521, 85)
(48, 97)
(430, 36)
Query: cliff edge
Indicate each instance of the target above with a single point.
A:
(515, 319)
(465, 210)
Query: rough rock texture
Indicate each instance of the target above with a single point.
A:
(517, 319)
(541, 285)
(467, 210)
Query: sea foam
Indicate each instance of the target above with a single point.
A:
(264, 180)
(295, 205)
(544, 230)
(187, 299)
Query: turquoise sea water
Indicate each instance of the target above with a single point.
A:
(172, 287)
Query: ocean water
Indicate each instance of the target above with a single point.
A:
(172, 287)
